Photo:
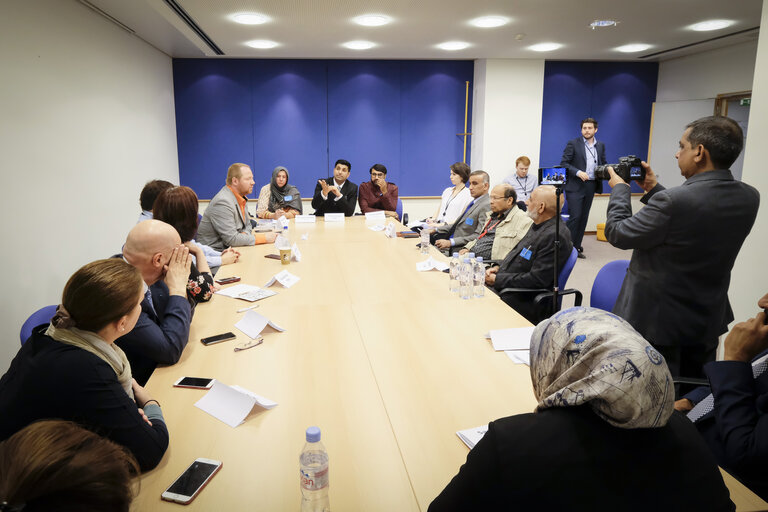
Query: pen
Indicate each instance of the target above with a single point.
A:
(249, 307)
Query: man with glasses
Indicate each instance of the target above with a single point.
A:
(162, 331)
(454, 236)
(505, 226)
(378, 194)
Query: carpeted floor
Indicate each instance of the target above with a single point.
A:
(597, 254)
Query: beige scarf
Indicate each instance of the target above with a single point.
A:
(91, 342)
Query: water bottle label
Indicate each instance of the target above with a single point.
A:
(314, 480)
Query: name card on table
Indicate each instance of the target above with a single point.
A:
(295, 253)
(231, 404)
(334, 217)
(283, 221)
(285, 278)
(431, 264)
(253, 323)
(390, 231)
(305, 219)
(375, 216)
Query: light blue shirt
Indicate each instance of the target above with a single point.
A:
(212, 256)
(145, 215)
(591, 153)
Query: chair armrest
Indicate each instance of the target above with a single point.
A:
(542, 293)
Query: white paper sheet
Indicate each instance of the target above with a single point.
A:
(295, 253)
(246, 292)
(431, 264)
(390, 230)
(472, 436)
(334, 217)
(253, 323)
(519, 356)
(516, 338)
(231, 404)
(305, 236)
(376, 216)
(377, 227)
(285, 278)
(283, 221)
(305, 219)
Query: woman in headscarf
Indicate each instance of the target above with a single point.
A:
(71, 369)
(603, 435)
(279, 199)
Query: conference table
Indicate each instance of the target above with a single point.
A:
(384, 359)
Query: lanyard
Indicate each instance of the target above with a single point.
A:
(523, 185)
(488, 229)
(592, 151)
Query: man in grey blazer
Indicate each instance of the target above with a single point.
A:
(580, 157)
(685, 242)
(469, 225)
(227, 222)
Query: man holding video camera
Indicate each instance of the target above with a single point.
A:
(685, 242)
(580, 157)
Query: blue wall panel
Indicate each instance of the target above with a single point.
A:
(289, 121)
(431, 116)
(214, 127)
(306, 114)
(364, 116)
(619, 95)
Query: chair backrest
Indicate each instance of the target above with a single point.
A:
(607, 284)
(41, 316)
(399, 209)
(565, 272)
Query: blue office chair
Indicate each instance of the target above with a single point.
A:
(41, 316)
(543, 294)
(399, 210)
(607, 284)
(564, 214)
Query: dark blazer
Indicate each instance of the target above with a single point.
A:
(345, 205)
(737, 429)
(685, 242)
(570, 459)
(160, 334)
(468, 226)
(52, 380)
(575, 159)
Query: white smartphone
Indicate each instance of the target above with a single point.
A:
(194, 383)
(192, 481)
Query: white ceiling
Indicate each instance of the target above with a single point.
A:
(317, 28)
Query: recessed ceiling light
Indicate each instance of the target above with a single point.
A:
(262, 44)
(489, 21)
(545, 47)
(251, 19)
(372, 20)
(603, 23)
(452, 46)
(711, 25)
(358, 45)
(631, 48)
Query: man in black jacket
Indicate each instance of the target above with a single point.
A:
(531, 263)
(336, 194)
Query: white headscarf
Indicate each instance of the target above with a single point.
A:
(587, 355)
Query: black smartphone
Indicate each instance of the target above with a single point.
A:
(193, 383)
(228, 280)
(192, 481)
(210, 340)
(272, 256)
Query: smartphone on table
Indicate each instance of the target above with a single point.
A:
(228, 280)
(192, 481)
(210, 340)
(194, 383)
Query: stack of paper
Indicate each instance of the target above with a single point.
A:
(472, 436)
(253, 323)
(246, 292)
(231, 404)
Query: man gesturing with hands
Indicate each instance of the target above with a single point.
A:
(162, 331)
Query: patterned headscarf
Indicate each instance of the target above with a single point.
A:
(285, 196)
(585, 355)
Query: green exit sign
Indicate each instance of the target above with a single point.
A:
(745, 102)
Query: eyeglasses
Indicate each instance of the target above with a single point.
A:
(499, 198)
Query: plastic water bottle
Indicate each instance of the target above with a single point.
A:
(454, 266)
(424, 241)
(465, 279)
(314, 474)
(479, 272)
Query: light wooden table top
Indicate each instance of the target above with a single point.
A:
(384, 359)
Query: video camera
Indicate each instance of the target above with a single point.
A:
(553, 175)
(629, 168)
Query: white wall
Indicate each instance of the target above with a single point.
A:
(506, 114)
(87, 118)
(749, 280)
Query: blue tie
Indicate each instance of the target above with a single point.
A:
(148, 298)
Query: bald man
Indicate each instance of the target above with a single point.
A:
(162, 331)
(530, 264)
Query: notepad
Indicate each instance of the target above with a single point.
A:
(472, 436)
(231, 404)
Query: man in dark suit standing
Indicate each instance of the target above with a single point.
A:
(580, 157)
(731, 413)
(336, 194)
(685, 243)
